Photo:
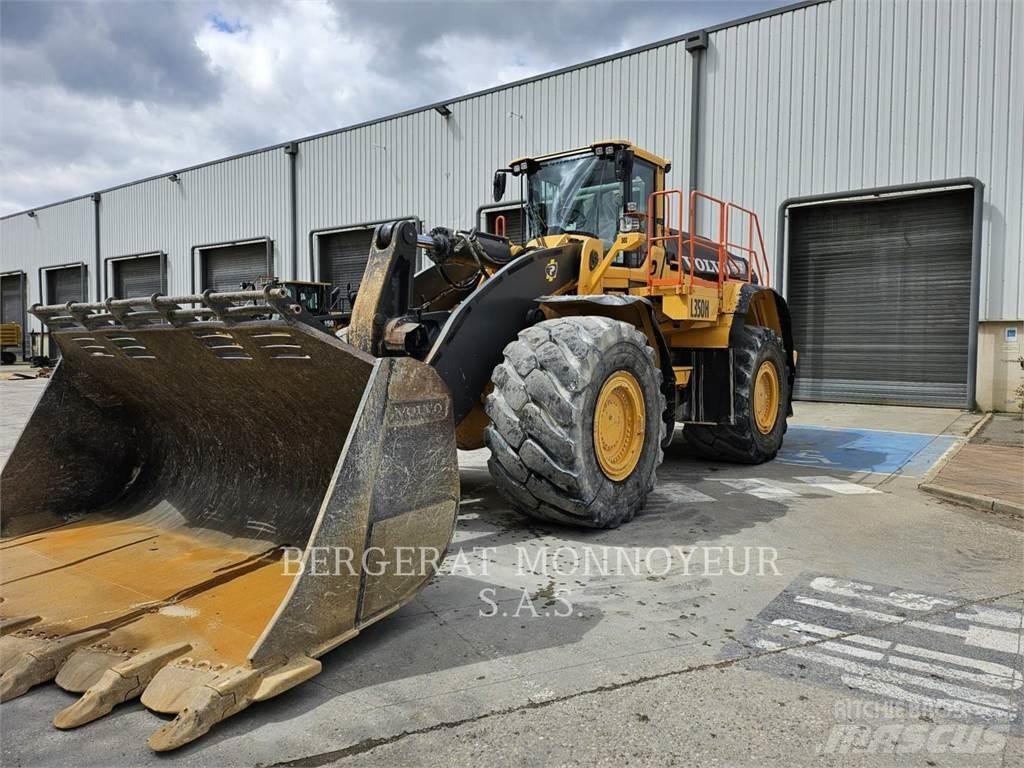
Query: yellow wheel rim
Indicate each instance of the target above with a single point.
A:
(766, 397)
(619, 425)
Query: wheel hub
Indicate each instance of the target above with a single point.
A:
(766, 397)
(619, 425)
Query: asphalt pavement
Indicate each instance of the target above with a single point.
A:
(818, 609)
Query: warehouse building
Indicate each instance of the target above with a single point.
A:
(877, 140)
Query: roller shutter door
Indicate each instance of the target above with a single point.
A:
(343, 258)
(12, 303)
(12, 300)
(137, 277)
(226, 268)
(63, 285)
(513, 223)
(880, 296)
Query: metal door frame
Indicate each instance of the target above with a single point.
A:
(108, 268)
(23, 289)
(782, 237)
(197, 254)
(44, 284)
(44, 290)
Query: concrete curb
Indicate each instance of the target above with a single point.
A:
(986, 503)
(945, 458)
(976, 500)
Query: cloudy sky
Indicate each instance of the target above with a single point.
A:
(97, 93)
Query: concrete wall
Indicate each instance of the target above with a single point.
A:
(1000, 370)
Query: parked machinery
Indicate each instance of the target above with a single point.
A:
(190, 454)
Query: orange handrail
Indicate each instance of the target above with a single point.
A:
(753, 248)
(652, 238)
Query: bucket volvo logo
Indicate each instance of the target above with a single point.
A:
(412, 412)
(551, 270)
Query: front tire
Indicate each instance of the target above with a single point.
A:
(760, 400)
(576, 421)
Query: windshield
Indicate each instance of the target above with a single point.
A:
(575, 194)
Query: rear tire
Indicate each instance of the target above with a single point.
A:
(541, 435)
(746, 442)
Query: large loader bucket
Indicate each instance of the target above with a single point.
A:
(204, 502)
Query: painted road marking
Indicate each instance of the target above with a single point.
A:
(993, 675)
(844, 487)
(898, 598)
(997, 618)
(762, 489)
(864, 450)
(683, 493)
(964, 660)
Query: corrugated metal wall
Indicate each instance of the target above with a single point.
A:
(440, 169)
(825, 98)
(243, 199)
(850, 94)
(60, 234)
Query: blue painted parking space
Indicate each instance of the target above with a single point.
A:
(863, 450)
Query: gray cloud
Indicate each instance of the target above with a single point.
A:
(100, 92)
(132, 51)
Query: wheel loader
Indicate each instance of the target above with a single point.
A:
(167, 509)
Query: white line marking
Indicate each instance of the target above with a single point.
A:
(991, 681)
(993, 639)
(835, 485)
(979, 637)
(997, 618)
(993, 675)
(817, 629)
(911, 601)
(991, 700)
(851, 650)
(762, 489)
(991, 667)
(684, 493)
(886, 617)
(895, 692)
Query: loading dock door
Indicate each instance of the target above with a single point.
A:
(343, 258)
(63, 285)
(12, 303)
(227, 267)
(137, 277)
(880, 296)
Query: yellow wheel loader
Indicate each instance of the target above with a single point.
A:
(215, 490)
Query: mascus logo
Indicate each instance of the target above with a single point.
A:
(417, 411)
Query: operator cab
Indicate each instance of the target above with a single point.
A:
(598, 191)
(603, 191)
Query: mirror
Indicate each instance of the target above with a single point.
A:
(499, 185)
(623, 164)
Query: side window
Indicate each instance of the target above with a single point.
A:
(642, 183)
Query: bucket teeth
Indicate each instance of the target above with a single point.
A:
(206, 705)
(118, 684)
(14, 623)
(41, 663)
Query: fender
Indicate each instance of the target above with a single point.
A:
(465, 353)
(766, 307)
